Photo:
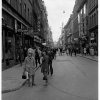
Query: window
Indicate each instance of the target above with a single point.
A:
(94, 18)
(78, 18)
(90, 22)
(85, 9)
(9, 1)
(20, 3)
(28, 12)
(16, 5)
(25, 9)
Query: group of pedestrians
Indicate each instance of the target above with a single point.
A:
(70, 51)
(41, 58)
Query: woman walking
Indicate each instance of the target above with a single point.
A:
(30, 67)
(45, 66)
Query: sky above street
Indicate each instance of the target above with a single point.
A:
(58, 12)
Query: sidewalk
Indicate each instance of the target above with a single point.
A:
(12, 79)
(94, 58)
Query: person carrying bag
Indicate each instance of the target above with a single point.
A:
(29, 68)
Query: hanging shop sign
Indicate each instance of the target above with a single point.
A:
(37, 39)
(15, 25)
(92, 34)
(44, 44)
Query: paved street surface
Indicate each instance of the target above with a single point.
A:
(11, 78)
(75, 78)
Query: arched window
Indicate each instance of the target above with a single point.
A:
(94, 18)
(85, 9)
(20, 3)
(90, 22)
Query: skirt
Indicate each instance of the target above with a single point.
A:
(30, 70)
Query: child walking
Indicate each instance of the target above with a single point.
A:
(30, 66)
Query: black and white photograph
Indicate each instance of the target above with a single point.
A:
(49, 49)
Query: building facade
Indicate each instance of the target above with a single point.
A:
(16, 15)
(22, 26)
(68, 31)
(93, 24)
(85, 27)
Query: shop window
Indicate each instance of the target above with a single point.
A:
(25, 8)
(9, 48)
(28, 14)
(9, 1)
(78, 18)
(20, 3)
(85, 9)
(92, 21)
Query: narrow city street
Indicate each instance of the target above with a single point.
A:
(75, 78)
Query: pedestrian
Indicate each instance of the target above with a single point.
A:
(45, 66)
(50, 62)
(88, 51)
(59, 51)
(37, 57)
(25, 52)
(20, 52)
(85, 51)
(30, 67)
(75, 51)
(67, 51)
(71, 51)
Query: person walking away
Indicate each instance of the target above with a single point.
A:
(85, 51)
(55, 53)
(20, 55)
(71, 51)
(37, 58)
(45, 66)
(39, 52)
(67, 51)
(30, 67)
(25, 52)
(75, 51)
(50, 62)
(59, 51)
(88, 51)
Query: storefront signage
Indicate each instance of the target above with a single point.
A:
(37, 39)
(92, 34)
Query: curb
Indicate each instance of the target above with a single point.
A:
(14, 89)
(19, 87)
(88, 58)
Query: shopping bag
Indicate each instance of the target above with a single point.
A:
(23, 76)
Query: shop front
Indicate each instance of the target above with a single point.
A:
(8, 41)
(94, 41)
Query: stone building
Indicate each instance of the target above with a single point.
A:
(16, 15)
(85, 24)
(68, 31)
(23, 25)
(93, 24)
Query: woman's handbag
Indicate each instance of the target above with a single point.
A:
(25, 75)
